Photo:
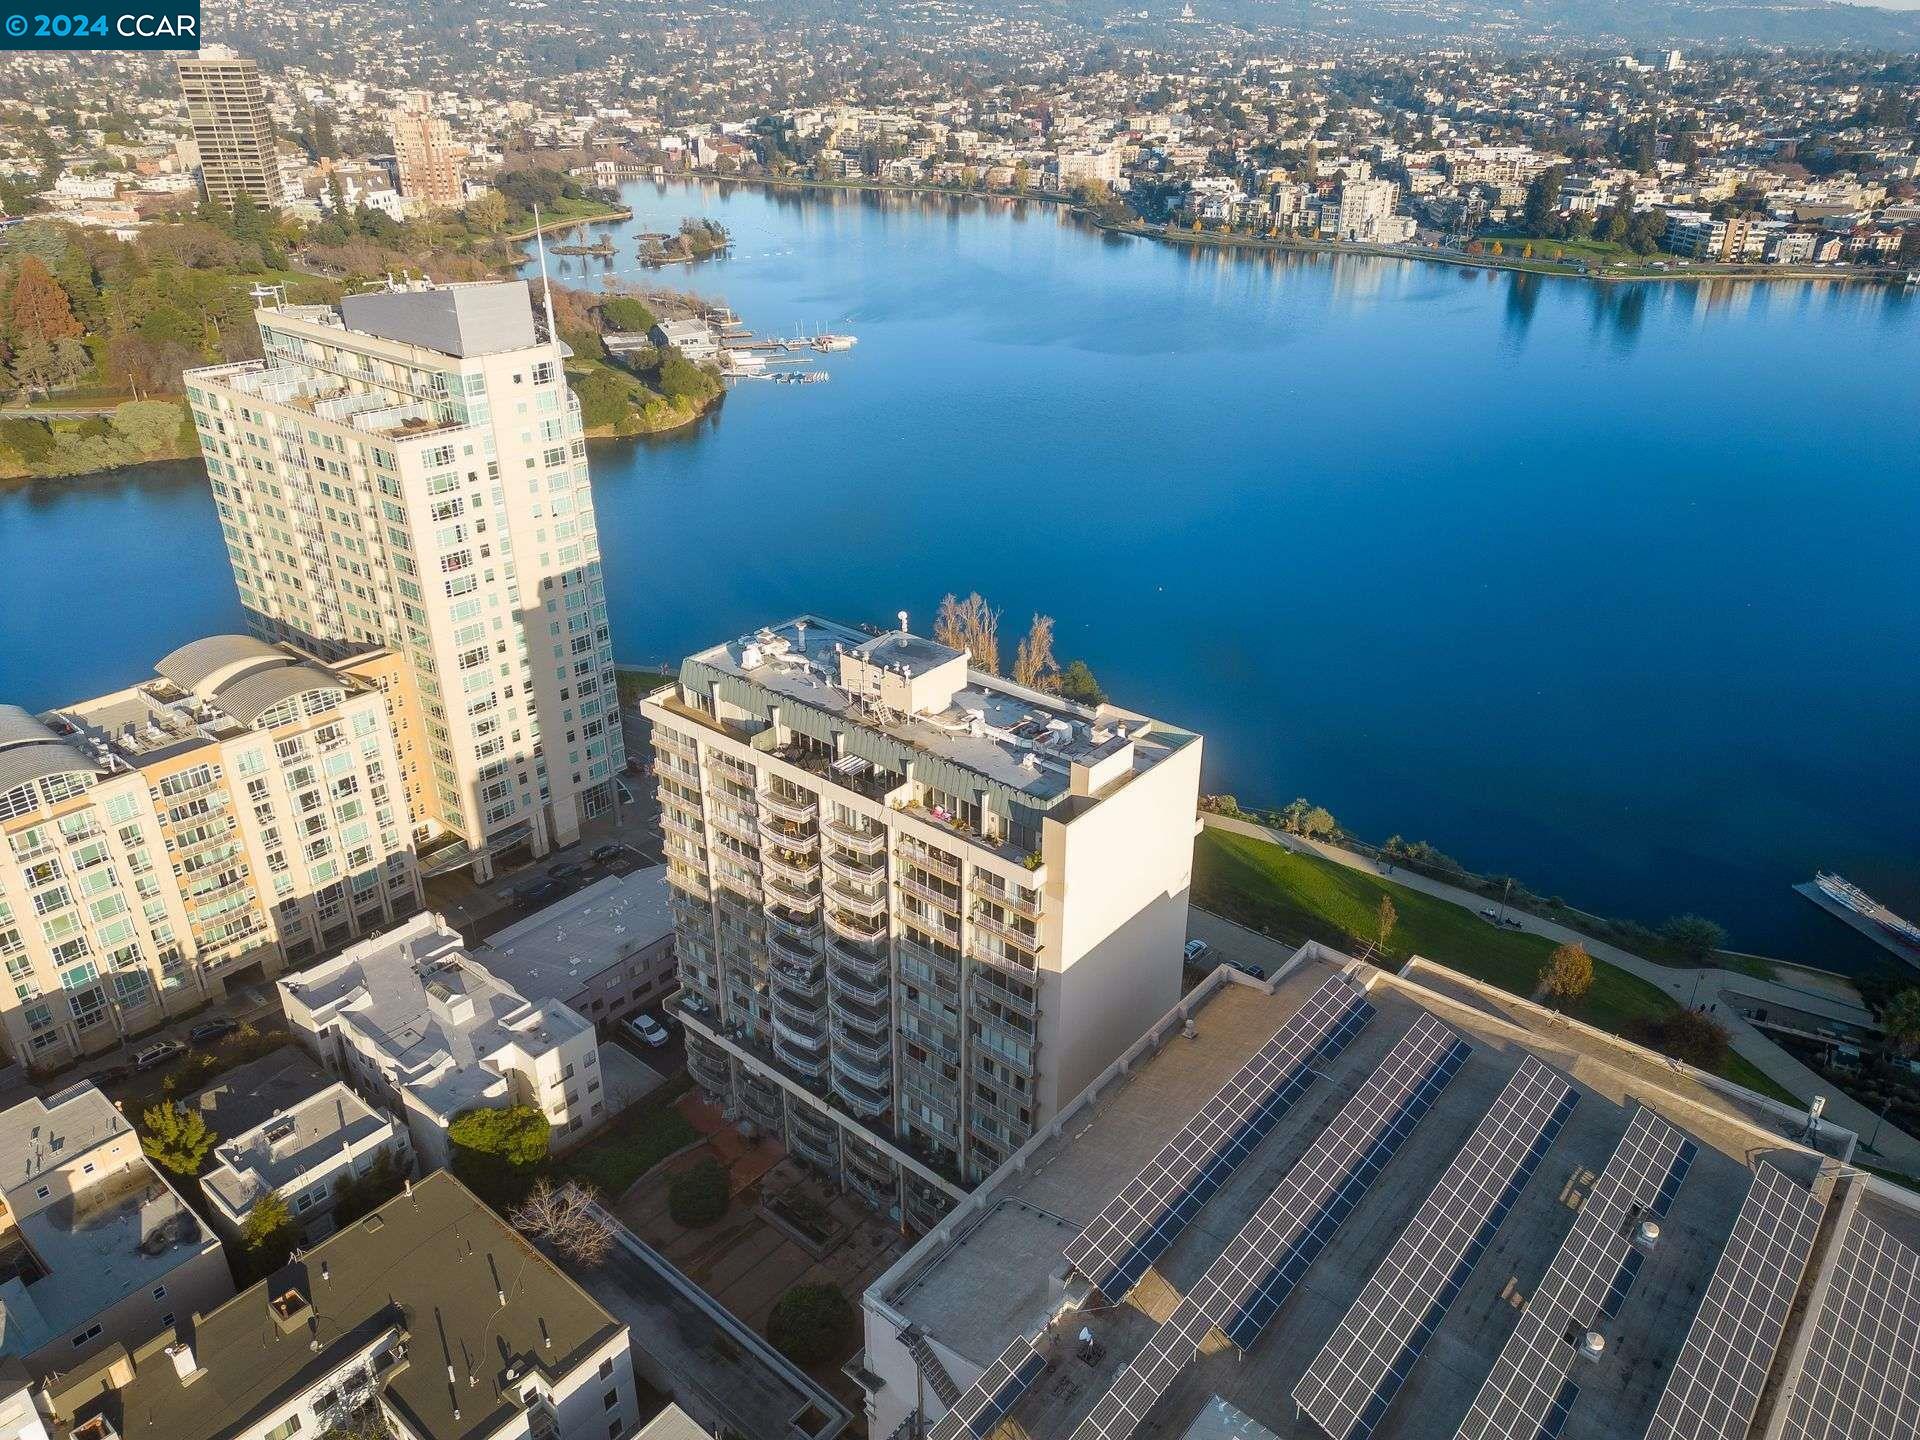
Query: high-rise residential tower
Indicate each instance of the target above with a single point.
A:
(918, 907)
(232, 128)
(423, 149)
(407, 470)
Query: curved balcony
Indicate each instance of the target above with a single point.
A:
(805, 980)
(792, 894)
(800, 1036)
(864, 1012)
(863, 1099)
(856, 927)
(801, 869)
(800, 925)
(875, 1053)
(875, 995)
(847, 897)
(866, 841)
(797, 812)
(778, 832)
(869, 870)
(873, 1071)
(869, 965)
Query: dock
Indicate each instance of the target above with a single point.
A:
(1875, 932)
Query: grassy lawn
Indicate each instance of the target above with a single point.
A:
(639, 1138)
(635, 682)
(1302, 897)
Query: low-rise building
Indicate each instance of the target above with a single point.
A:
(604, 952)
(302, 1154)
(415, 1023)
(97, 1249)
(430, 1314)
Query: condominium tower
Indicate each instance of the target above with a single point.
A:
(240, 811)
(227, 106)
(427, 158)
(918, 907)
(407, 471)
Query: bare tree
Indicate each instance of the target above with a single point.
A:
(1033, 662)
(568, 1218)
(1387, 918)
(973, 626)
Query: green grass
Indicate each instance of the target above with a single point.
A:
(638, 1139)
(1302, 897)
(636, 682)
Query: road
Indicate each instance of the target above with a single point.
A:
(1728, 992)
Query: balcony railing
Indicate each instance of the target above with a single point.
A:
(799, 812)
(745, 886)
(674, 744)
(871, 870)
(988, 992)
(1006, 930)
(875, 1071)
(795, 894)
(932, 894)
(921, 855)
(874, 995)
(798, 1037)
(800, 869)
(1020, 902)
(856, 927)
(852, 1042)
(866, 841)
(859, 1099)
(689, 829)
(778, 832)
(943, 1100)
(848, 897)
(734, 823)
(852, 960)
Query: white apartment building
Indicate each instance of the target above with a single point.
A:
(429, 1315)
(918, 907)
(1366, 213)
(99, 1250)
(240, 811)
(408, 471)
(301, 1155)
(414, 1022)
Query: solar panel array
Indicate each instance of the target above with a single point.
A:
(999, 1388)
(1528, 1396)
(1135, 1227)
(1859, 1381)
(1715, 1386)
(1250, 1279)
(1354, 1378)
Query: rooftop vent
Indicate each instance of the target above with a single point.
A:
(290, 1309)
(1646, 1234)
(1592, 1345)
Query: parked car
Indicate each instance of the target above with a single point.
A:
(648, 1029)
(537, 891)
(566, 870)
(158, 1053)
(210, 1030)
(608, 853)
(1252, 972)
(1196, 951)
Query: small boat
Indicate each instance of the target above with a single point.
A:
(830, 342)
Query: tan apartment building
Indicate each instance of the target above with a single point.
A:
(424, 152)
(232, 129)
(239, 811)
(407, 471)
(918, 907)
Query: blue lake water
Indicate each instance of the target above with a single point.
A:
(1613, 587)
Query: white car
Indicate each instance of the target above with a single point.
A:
(648, 1029)
(1196, 951)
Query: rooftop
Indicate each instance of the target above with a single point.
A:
(39, 1135)
(289, 1145)
(253, 1093)
(917, 697)
(998, 1272)
(427, 1269)
(551, 954)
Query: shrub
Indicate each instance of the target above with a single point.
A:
(31, 440)
(811, 1324)
(1686, 1035)
(624, 313)
(499, 1152)
(699, 1195)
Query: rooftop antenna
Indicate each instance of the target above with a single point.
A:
(903, 622)
(546, 286)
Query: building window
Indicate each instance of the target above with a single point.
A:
(609, 1400)
(92, 1332)
(159, 1292)
(288, 1426)
(606, 1367)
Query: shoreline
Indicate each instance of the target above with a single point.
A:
(1459, 260)
(614, 214)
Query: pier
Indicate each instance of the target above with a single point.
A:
(1865, 924)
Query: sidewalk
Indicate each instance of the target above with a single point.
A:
(1727, 989)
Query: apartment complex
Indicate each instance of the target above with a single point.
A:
(301, 1154)
(227, 106)
(424, 152)
(96, 1248)
(240, 811)
(604, 952)
(415, 1023)
(917, 907)
(429, 1318)
(407, 471)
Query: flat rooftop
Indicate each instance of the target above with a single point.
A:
(290, 1144)
(1001, 1273)
(1021, 739)
(253, 1093)
(550, 955)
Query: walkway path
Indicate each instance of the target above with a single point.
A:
(1728, 990)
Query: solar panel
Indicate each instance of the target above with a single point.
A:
(1859, 1380)
(1354, 1378)
(1251, 1278)
(999, 1388)
(1529, 1393)
(1137, 1225)
(1715, 1386)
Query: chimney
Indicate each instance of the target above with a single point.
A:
(181, 1353)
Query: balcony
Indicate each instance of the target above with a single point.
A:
(932, 894)
(736, 823)
(850, 898)
(929, 859)
(1020, 902)
(866, 840)
(918, 1004)
(794, 894)
(790, 837)
(794, 811)
(938, 963)
(990, 992)
(1012, 1063)
(798, 926)
(858, 961)
(1005, 930)
(876, 1053)
(938, 1097)
(812, 1069)
(867, 1102)
(693, 830)
(674, 744)
(805, 985)
(873, 1071)
(738, 771)
(809, 1147)
(856, 927)
(858, 990)
(863, 869)
(745, 886)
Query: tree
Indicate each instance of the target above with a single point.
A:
(699, 1195)
(1076, 683)
(568, 1218)
(1694, 936)
(1567, 975)
(1033, 662)
(1901, 1021)
(357, 1195)
(497, 1151)
(487, 213)
(973, 626)
(34, 366)
(1387, 918)
(811, 1324)
(176, 1138)
(269, 1233)
(1543, 198)
(39, 307)
(1690, 1036)
(624, 313)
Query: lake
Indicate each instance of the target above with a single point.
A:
(1611, 587)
